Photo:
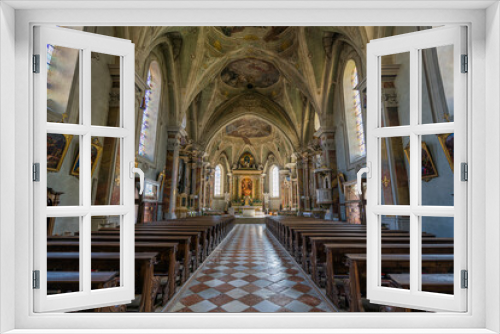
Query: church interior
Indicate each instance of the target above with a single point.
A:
(250, 139)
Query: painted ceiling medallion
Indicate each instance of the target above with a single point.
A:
(250, 73)
(249, 127)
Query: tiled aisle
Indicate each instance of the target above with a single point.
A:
(250, 273)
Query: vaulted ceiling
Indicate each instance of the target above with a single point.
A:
(280, 76)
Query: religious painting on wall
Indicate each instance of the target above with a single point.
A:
(95, 154)
(246, 189)
(247, 161)
(429, 170)
(57, 147)
(447, 141)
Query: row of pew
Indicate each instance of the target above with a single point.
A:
(334, 255)
(166, 255)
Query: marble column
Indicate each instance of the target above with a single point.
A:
(327, 143)
(170, 189)
(199, 182)
(305, 166)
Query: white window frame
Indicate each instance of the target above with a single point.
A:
(221, 184)
(85, 43)
(273, 183)
(413, 43)
(484, 102)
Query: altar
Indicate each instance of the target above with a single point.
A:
(248, 211)
(246, 189)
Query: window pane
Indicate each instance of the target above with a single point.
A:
(394, 167)
(63, 185)
(437, 257)
(63, 95)
(63, 260)
(395, 249)
(105, 90)
(217, 187)
(105, 171)
(437, 85)
(395, 89)
(437, 175)
(106, 252)
(151, 105)
(275, 177)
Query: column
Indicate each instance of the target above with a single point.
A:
(305, 167)
(199, 182)
(262, 186)
(170, 189)
(300, 186)
(327, 142)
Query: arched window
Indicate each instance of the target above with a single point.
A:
(275, 182)
(147, 138)
(353, 113)
(218, 181)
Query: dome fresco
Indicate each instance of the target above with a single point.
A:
(249, 73)
(249, 127)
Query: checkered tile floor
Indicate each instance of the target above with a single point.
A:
(250, 273)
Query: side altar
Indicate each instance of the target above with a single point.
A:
(246, 189)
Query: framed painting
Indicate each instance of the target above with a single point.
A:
(96, 152)
(447, 141)
(429, 170)
(57, 147)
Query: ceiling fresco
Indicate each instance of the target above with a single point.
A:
(249, 73)
(249, 127)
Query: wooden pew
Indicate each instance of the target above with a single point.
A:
(70, 281)
(107, 261)
(393, 263)
(439, 283)
(335, 258)
(167, 253)
(317, 246)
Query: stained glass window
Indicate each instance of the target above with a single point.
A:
(147, 138)
(275, 182)
(353, 113)
(218, 180)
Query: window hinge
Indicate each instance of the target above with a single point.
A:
(464, 171)
(36, 172)
(465, 64)
(36, 63)
(465, 279)
(36, 279)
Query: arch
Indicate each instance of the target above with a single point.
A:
(353, 112)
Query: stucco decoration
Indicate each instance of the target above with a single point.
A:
(250, 73)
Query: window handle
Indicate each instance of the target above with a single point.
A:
(368, 171)
(134, 170)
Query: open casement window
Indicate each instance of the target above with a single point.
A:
(69, 144)
(403, 112)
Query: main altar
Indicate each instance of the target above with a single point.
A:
(246, 189)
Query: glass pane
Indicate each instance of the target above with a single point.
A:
(395, 250)
(105, 90)
(63, 87)
(395, 186)
(395, 86)
(437, 85)
(437, 254)
(63, 185)
(105, 262)
(63, 255)
(105, 171)
(437, 175)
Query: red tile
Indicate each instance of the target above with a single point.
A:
(250, 309)
(251, 299)
(227, 278)
(250, 288)
(199, 287)
(210, 271)
(185, 309)
(295, 278)
(315, 309)
(280, 300)
(250, 278)
(224, 288)
(291, 271)
(204, 278)
(283, 309)
(302, 288)
(191, 300)
(309, 300)
(218, 309)
(221, 299)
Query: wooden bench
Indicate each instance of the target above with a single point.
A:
(107, 261)
(391, 263)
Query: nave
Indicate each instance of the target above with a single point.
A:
(250, 272)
